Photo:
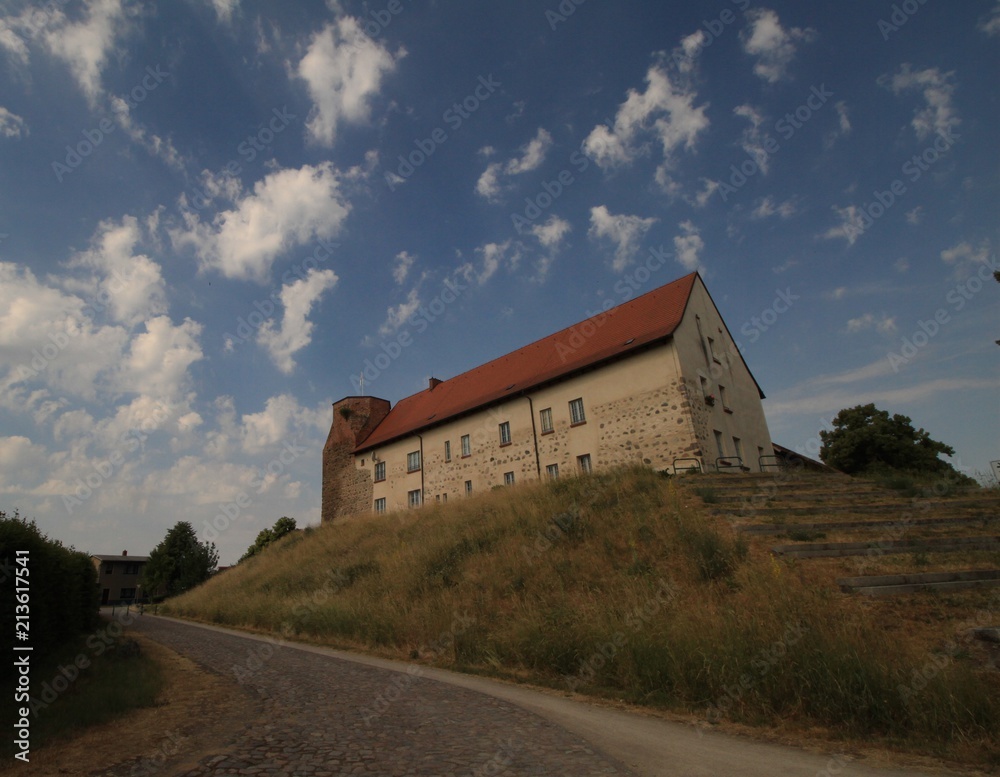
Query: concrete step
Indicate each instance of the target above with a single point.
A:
(876, 525)
(883, 547)
(893, 585)
(908, 506)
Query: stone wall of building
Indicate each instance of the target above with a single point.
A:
(347, 490)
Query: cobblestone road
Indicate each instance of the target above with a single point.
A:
(317, 716)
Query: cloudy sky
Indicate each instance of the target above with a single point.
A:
(216, 214)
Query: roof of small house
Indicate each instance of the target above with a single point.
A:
(627, 327)
(126, 559)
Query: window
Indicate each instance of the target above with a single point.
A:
(508, 478)
(468, 487)
(584, 463)
(128, 593)
(552, 470)
(718, 442)
(738, 447)
(447, 450)
(380, 505)
(444, 497)
(546, 418)
(722, 399)
(505, 433)
(576, 415)
(109, 568)
(413, 498)
(466, 446)
(704, 386)
(131, 569)
(711, 350)
(379, 471)
(413, 461)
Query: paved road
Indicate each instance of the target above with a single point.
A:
(317, 712)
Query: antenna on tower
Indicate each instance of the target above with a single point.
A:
(362, 383)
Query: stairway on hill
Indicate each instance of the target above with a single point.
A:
(863, 536)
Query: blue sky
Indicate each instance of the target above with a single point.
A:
(215, 214)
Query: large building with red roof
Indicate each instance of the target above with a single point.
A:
(656, 380)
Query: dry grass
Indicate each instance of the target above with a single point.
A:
(610, 584)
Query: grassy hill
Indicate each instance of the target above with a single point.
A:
(621, 584)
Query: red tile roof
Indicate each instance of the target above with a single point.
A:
(650, 317)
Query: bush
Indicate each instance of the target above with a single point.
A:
(64, 600)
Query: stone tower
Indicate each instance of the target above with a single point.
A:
(346, 489)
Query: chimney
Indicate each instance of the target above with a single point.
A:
(124, 552)
(434, 383)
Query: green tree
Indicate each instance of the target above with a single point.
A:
(179, 562)
(282, 526)
(865, 439)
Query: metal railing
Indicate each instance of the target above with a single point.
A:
(695, 467)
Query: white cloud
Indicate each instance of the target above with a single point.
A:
(688, 246)
(533, 154)
(771, 44)
(48, 337)
(768, 207)
(22, 464)
(224, 9)
(882, 323)
(490, 183)
(158, 359)
(84, 44)
(288, 208)
(965, 257)
(158, 147)
(915, 216)
(492, 257)
(131, 284)
(400, 314)
(401, 266)
(295, 333)
(901, 265)
(991, 24)
(551, 233)
(281, 420)
(666, 112)
(709, 188)
(343, 69)
(754, 139)
(11, 125)
(626, 232)
(852, 225)
(938, 116)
